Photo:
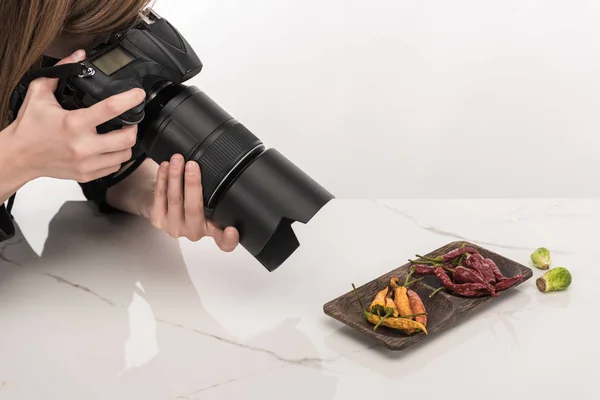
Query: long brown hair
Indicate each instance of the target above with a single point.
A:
(28, 27)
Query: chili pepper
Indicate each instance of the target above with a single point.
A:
(462, 288)
(467, 275)
(395, 323)
(421, 265)
(495, 270)
(401, 298)
(508, 282)
(417, 306)
(451, 254)
(390, 305)
(378, 304)
(381, 320)
(421, 269)
(476, 262)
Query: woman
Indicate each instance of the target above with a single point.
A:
(44, 140)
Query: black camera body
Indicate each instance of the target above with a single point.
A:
(245, 185)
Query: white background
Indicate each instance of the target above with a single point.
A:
(398, 98)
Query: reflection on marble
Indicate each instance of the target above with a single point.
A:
(112, 308)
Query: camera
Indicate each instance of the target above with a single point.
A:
(245, 185)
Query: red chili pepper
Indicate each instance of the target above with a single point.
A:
(421, 269)
(496, 271)
(450, 255)
(466, 275)
(476, 262)
(458, 252)
(462, 288)
(508, 282)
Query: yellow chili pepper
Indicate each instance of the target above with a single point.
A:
(400, 323)
(378, 304)
(401, 298)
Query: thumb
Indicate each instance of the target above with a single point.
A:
(49, 85)
(76, 57)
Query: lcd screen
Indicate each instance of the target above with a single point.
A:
(113, 61)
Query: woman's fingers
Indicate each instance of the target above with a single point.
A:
(49, 85)
(117, 140)
(108, 109)
(44, 88)
(175, 212)
(179, 205)
(159, 206)
(193, 202)
(110, 160)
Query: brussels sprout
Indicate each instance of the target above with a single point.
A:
(556, 279)
(541, 258)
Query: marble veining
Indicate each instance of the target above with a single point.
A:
(82, 288)
(456, 236)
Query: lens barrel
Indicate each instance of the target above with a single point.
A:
(258, 191)
(183, 119)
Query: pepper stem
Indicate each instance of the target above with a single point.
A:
(461, 259)
(423, 262)
(359, 300)
(413, 281)
(435, 291)
(447, 268)
(436, 260)
(411, 272)
(382, 319)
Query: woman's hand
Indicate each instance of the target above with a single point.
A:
(178, 206)
(62, 144)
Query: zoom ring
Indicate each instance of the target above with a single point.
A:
(223, 154)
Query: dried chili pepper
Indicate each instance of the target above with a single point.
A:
(400, 323)
(421, 269)
(417, 306)
(378, 304)
(401, 298)
(390, 305)
(476, 262)
(467, 275)
(508, 282)
(382, 319)
(421, 265)
(495, 270)
(462, 288)
(451, 254)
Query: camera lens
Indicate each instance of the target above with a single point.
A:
(259, 192)
(184, 120)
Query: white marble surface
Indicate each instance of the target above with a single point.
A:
(109, 308)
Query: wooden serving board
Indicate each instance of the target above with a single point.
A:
(444, 309)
